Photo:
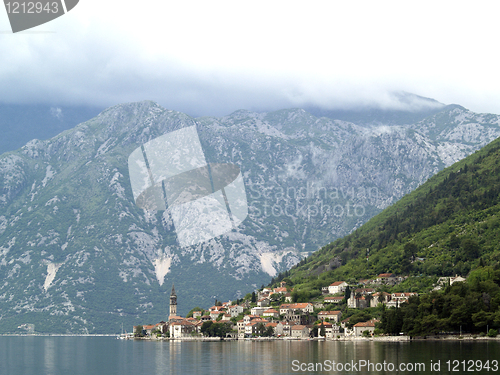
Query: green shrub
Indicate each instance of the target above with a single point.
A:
(492, 333)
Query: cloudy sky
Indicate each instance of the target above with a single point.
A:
(213, 57)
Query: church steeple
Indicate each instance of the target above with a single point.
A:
(173, 303)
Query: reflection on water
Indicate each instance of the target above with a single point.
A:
(106, 355)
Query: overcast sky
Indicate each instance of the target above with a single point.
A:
(212, 57)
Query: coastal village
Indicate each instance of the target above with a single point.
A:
(270, 312)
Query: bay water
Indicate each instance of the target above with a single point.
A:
(54, 355)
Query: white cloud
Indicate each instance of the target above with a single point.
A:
(215, 57)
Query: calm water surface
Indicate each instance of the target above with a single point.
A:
(106, 355)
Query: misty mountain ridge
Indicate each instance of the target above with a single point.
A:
(20, 123)
(398, 108)
(78, 255)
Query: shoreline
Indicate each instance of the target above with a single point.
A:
(343, 339)
(58, 335)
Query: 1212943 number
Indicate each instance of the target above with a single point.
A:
(32, 7)
(471, 365)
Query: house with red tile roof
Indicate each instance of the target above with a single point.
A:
(183, 329)
(300, 331)
(258, 310)
(379, 297)
(360, 327)
(345, 322)
(214, 314)
(255, 327)
(333, 316)
(263, 302)
(272, 313)
(305, 307)
(280, 290)
(337, 287)
(333, 299)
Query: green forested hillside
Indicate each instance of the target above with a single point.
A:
(449, 225)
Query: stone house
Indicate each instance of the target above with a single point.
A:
(263, 302)
(357, 302)
(379, 297)
(235, 310)
(360, 327)
(214, 314)
(300, 331)
(258, 310)
(387, 279)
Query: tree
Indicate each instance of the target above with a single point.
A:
(212, 329)
(190, 313)
(410, 250)
(347, 294)
(470, 249)
(392, 321)
(275, 297)
(269, 332)
(165, 330)
(206, 328)
(254, 297)
(381, 297)
(322, 331)
(260, 329)
(138, 331)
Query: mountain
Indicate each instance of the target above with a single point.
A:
(447, 226)
(20, 123)
(78, 255)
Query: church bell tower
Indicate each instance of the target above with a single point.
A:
(173, 303)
